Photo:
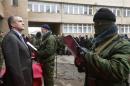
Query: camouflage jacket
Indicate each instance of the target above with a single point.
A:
(1, 55)
(47, 48)
(109, 63)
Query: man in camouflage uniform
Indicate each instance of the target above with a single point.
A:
(2, 64)
(1, 55)
(46, 54)
(108, 63)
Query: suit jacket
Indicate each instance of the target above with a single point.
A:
(18, 61)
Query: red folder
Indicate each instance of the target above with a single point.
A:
(2, 70)
(72, 45)
(37, 70)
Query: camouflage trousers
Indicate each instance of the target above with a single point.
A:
(48, 76)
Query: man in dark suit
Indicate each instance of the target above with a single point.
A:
(17, 55)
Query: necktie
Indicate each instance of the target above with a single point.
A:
(23, 41)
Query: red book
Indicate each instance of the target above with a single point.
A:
(72, 45)
(2, 70)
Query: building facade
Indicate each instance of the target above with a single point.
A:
(65, 17)
(75, 17)
(11, 8)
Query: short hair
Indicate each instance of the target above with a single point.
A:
(10, 21)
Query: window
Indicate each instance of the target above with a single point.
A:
(80, 10)
(57, 8)
(77, 28)
(120, 29)
(126, 29)
(66, 9)
(118, 26)
(126, 12)
(35, 8)
(47, 8)
(70, 9)
(53, 8)
(44, 7)
(30, 7)
(14, 2)
(118, 13)
(75, 9)
(113, 10)
(70, 29)
(90, 10)
(123, 29)
(89, 29)
(65, 28)
(129, 28)
(85, 9)
(85, 29)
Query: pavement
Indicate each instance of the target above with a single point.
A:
(66, 73)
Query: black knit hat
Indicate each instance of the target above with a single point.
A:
(104, 14)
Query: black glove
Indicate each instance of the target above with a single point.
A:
(1, 82)
(82, 51)
(80, 64)
(80, 60)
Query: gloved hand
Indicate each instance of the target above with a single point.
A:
(80, 64)
(1, 82)
(80, 60)
(82, 51)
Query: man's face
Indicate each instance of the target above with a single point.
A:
(101, 26)
(44, 30)
(18, 24)
(2, 34)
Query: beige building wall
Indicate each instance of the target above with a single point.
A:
(1, 9)
(62, 18)
(6, 10)
(50, 17)
(121, 3)
(44, 17)
(10, 10)
(1, 14)
(57, 18)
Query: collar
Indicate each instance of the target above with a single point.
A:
(19, 34)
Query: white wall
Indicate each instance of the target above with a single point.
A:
(34, 30)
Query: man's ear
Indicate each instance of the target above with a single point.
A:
(13, 25)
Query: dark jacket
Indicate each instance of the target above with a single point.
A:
(18, 61)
